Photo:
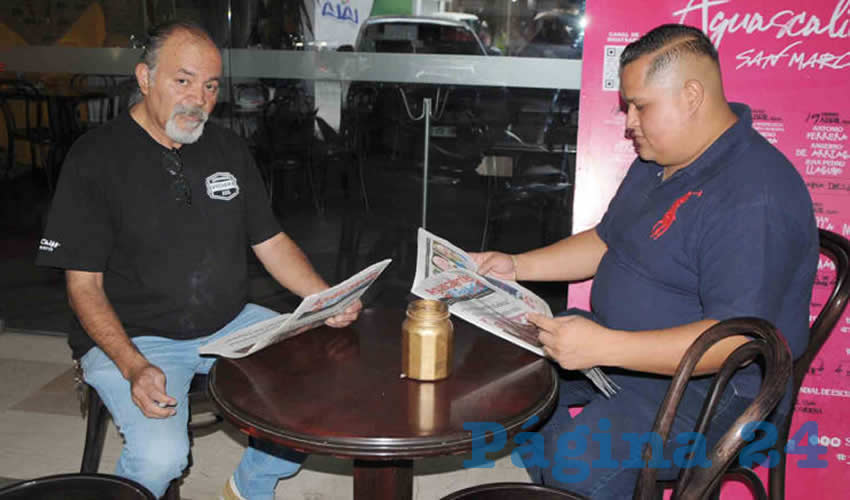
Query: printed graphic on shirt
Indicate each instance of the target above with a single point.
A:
(222, 186)
(669, 217)
(46, 245)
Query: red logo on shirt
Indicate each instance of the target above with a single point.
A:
(665, 222)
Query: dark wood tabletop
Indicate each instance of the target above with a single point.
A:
(340, 392)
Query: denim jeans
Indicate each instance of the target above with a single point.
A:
(157, 450)
(609, 465)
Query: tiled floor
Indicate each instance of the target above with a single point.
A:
(41, 429)
(42, 434)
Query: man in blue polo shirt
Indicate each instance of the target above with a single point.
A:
(711, 222)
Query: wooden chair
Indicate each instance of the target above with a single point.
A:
(511, 491)
(837, 249)
(766, 345)
(97, 414)
(76, 487)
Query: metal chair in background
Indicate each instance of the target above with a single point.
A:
(7, 149)
(285, 140)
(540, 186)
(338, 151)
(97, 101)
(39, 128)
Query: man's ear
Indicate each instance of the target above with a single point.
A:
(694, 92)
(143, 73)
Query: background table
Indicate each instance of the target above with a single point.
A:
(339, 392)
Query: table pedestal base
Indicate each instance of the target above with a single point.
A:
(390, 480)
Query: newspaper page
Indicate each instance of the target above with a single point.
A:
(313, 311)
(435, 255)
(483, 304)
(447, 273)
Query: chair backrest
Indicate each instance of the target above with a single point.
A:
(767, 346)
(8, 148)
(34, 102)
(837, 248)
(288, 123)
(76, 487)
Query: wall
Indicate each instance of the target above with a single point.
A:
(789, 61)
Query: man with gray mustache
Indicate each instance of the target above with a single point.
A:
(151, 219)
(186, 136)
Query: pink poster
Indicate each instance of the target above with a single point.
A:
(790, 62)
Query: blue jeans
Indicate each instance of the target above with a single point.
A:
(157, 450)
(606, 472)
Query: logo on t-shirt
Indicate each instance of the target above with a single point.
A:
(665, 222)
(222, 186)
(46, 245)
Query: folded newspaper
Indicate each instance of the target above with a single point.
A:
(312, 312)
(447, 273)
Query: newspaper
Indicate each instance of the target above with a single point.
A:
(447, 273)
(313, 311)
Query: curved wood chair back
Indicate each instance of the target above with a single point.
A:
(766, 345)
(837, 248)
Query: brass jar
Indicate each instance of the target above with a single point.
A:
(427, 338)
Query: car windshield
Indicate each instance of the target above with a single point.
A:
(419, 38)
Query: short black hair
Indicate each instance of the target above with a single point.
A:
(677, 40)
(160, 33)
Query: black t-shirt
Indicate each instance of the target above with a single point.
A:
(170, 269)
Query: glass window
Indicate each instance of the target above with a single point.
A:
(340, 135)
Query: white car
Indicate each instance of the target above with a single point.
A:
(418, 35)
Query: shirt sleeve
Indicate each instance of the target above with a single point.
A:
(79, 232)
(261, 221)
(747, 253)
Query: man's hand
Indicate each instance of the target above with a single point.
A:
(496, 264)
(573, 341)
(147, 386)
(347, 316)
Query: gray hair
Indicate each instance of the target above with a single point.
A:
(157, 36)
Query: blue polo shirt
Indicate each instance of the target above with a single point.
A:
(732, 234)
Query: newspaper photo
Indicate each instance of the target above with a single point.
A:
(445, 272)
(311, 312)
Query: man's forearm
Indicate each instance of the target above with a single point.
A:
(99, 320)
(289, 266)
(661, 351)
(571, 259)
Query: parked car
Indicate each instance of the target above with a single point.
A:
(466, 118)
(418, 35)
(554, 33)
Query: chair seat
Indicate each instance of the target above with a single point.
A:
(512, 491)
(76, 487)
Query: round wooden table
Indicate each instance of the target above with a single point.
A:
(339, 392)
